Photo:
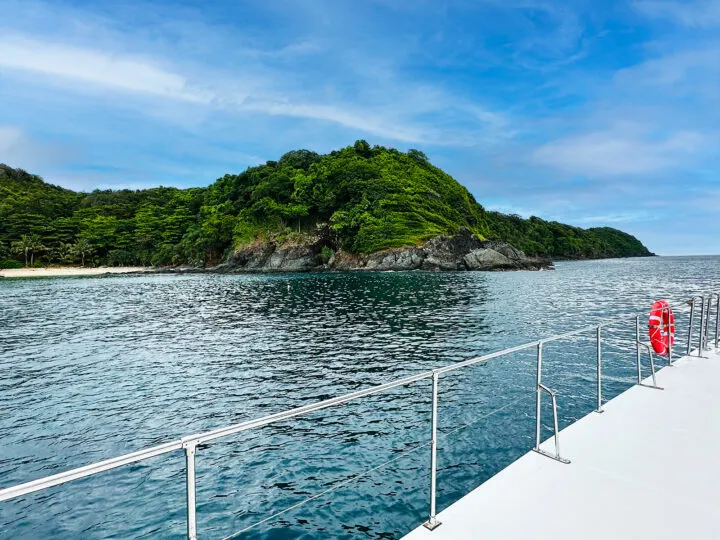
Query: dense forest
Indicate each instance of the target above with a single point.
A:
(360, 199)
(536, 236)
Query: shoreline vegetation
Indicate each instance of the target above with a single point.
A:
(357, 208)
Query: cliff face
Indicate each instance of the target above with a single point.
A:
(462, 251)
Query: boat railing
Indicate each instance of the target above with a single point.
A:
(189, 444)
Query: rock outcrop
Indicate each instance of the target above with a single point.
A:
(462, 251)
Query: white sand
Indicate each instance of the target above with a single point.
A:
(70, 271)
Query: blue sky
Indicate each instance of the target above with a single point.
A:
(587, 112)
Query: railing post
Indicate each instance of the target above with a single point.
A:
(599, 371)
(190, 479)
(707, 322)
(701, 346)
(433, 522)
(555, 424)
(637, 341)
(711, 296)
(717, 322)
(652, 366)
(692, 317)
(670, 336)
(538, 399)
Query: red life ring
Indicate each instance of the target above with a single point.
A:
(661, 327)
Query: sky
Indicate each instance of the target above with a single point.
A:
(593, 113)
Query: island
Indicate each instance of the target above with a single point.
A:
(358, 208)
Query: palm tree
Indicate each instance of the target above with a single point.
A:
(82, 248)
(36, 246)
(21, 246)
(64, 253)
(28, 245)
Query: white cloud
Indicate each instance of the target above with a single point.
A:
(612, 153)
(9, 137)
(348, 118)
(96, 67)
(690, 69)
(616, 218)
(699, 13)
(19, 150)
(142, 76)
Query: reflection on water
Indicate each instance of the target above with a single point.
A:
(91, 368)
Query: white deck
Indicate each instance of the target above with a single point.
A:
(649, 467)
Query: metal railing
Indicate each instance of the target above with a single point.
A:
(189, 444)
(705, 314)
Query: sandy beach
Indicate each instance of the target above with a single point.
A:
(65, 271)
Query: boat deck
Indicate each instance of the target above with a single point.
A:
(648, 467)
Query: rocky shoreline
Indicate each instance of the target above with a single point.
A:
(462, 251)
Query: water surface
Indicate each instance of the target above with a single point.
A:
(94, 367)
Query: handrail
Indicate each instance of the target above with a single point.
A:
(717, 317)
(692, 318)
(705, 329)
(649, 350)
(190, 443)
(553, 396)
(652, 367)
(87, 470)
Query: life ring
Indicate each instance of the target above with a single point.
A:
(661, 327)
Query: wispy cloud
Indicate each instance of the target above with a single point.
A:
(9, 137)
(691, 13)
(617, 218)
(613, 153)
(368, 123)
(19, 149)
(266, 92)
(96, 67)
(695, 71)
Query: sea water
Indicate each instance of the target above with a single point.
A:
(91, 368)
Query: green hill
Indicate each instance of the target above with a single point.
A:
(556, 240)
(361, 198)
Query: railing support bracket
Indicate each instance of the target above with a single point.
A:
(540, 388)
(551, 455)
(432, 524)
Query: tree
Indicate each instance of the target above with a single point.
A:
(82, 248)
(101, 232)
(216, 233)
(28, 245)
(362, 148)
(36, 246)
(63, 253)
(418, 155)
